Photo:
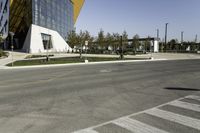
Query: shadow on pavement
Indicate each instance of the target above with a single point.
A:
(181, 89)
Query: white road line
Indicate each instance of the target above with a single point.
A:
(184, 120)
(86, 131)
(194, 97)
(186, 105)
(137, 126)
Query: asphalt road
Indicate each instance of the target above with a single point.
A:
(67, 99)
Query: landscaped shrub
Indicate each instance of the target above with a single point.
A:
(2, 53)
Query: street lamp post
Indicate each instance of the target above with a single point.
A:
(48, 45)
(162, 44)
(181, 40)
(12, 46)
(157, 33)
(121, 48)
(196, 38)
(166, 24)
(81, 50)
(182, 32)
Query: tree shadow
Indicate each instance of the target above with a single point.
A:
(181, 89)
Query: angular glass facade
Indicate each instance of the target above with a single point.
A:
(4, 13)
(17, 16)
(20, 19)
(57, 15)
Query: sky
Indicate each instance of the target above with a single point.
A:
(142, 17)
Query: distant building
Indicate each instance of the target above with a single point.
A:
(38, 25)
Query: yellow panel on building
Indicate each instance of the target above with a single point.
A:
(77, 8)
(11, 1)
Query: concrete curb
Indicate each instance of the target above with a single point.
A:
(77, 64)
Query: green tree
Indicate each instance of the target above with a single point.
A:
(1, 41)
(72, 39)
(89, 38)
(135, 43)
(125, 39)
(81, 38)
(109, 40)
(147, 44)
(172, 44)
(80, 42)
(116, 43)
(101, 39)
(85, 36)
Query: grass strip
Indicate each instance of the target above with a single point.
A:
(66, 60)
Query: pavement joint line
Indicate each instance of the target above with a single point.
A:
(77, 64)
(128, 116)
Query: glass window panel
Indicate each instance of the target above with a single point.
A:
(54, 14)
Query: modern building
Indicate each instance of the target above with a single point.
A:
(38, 25)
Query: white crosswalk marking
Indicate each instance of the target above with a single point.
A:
(184, 120)
(86, 131)
(186, 105)
(194, 97)
(136, 126)
(140, 127)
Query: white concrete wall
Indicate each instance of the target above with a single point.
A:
(156, 46)
(34, 44)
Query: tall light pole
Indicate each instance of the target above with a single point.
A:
(196, 38)
(12, 46)
(121, 48)
(166, 24)
(81, 50)
(157, 33)
(182, 32)
(86, 45)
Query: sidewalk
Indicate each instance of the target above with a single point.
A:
(175, 56)
(156, 57)
(62, 55)
(13, 56)
(168, 56)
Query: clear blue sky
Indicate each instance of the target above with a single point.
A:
(141, 17)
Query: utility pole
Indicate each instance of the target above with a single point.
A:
(166, 24)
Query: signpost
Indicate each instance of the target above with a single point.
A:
(86, 44)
